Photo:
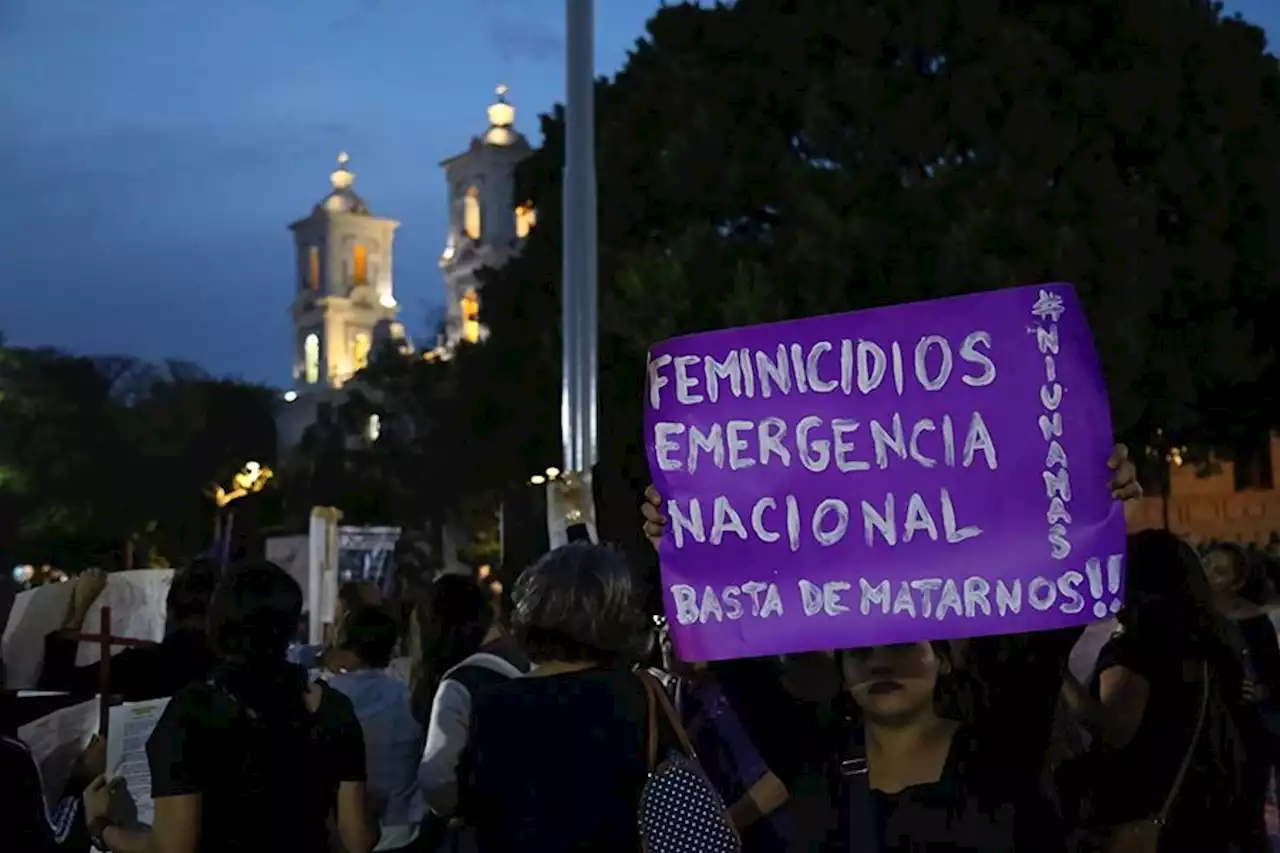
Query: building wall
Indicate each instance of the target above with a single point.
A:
(1203, 508)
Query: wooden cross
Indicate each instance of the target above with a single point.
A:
(105, 641)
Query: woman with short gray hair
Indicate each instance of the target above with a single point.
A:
(578, 605)
(577, 720)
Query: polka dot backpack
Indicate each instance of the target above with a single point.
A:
(679, 811)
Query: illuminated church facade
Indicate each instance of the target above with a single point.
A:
(344, 306)
(487, 224)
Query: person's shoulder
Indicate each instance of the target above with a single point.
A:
(1135, 651)
(198, 704)
(496, 691)
(336, 707)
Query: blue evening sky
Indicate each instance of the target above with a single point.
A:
(154, 152)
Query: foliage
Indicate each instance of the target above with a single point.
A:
(870, 153)
(864, 153)
(99, 452)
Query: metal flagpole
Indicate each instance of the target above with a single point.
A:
(569, 496)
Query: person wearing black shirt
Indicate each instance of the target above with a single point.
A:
(255, 758)
(1167, 685)
(555, 760)
(147, 672)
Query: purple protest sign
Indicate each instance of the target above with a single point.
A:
(917, 472)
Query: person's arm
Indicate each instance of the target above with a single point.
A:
(357, 827)
(307, 656)
(447, 732)
(177, 757)
(1115, 715)
(764, 797)
(60, 671)
(1264, 648)
(176, 829)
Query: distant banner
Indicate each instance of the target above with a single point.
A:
(916, 472)
(367, 554)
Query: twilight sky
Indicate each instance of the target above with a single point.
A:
(155, 151)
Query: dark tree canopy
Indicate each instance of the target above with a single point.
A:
(871, 153)
(765, 160)
(99, 452)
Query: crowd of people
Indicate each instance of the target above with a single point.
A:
(429, 724)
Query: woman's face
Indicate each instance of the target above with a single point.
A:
(1221, 570)
(894, 681)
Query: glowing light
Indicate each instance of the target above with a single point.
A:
(484, 572)
(471, 213)
(501, 114)
(553, 472)
(526, 218)
(290, 396)
(360, 347)
(250, 479)
(537, 480)
(311, 358)
(470, 309)
(342, 178)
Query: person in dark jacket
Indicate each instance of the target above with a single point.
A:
(148, 672)
(256, 758)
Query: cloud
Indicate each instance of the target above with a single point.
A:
(526, 38)
(357, 16)
(88, 187)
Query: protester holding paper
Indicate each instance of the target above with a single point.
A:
(255, 758)
(143, 673)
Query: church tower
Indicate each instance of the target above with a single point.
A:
(344, 305)
(487, 223)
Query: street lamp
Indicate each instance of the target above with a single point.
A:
(249, 480)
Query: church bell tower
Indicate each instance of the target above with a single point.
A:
(487, 223)
(344, 304)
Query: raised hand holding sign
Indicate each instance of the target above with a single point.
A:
(885, 476)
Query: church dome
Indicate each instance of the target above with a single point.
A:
(502, 120)
(343, 198)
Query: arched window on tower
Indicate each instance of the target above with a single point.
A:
(311, 359)
(526, 218)
(360, 265)
(471, 317)
(313, 268)
(471, 213)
